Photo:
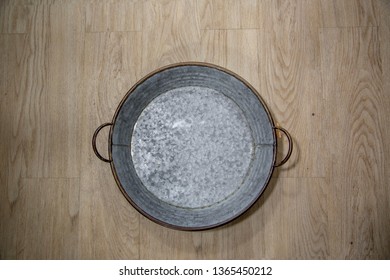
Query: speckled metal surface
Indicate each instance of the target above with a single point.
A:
(192, 146)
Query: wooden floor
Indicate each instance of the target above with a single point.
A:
(322, 66)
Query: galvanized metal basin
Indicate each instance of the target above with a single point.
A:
(192, 146)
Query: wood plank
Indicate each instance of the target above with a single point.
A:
(110, 225)
(384, 201)
(240, 51)
(112, 64)
(31, 90)
(358, 121)
(231, 14)
(15, 47)
(25, 87)
(6, 247)
(65, 51)
(236, 50)
(219, 14)
(282, 58)
(296, 219)
(15, 18)
(278, 63)
(113, 16)
(48, 221)
(214, 47)
(312, 219)
(242, 238)
(8, 213)
(12, 164)
(348, 13)
(22, 93)
(234, 40)
(384, 41)
(358, 220)
(170, 34)
(355, 102)
(243, 54)
(24, 2)
(288, 222)
(158, 242)
(8, 192)
(44, 89)
(292, 78)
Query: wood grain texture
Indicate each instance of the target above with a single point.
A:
(31, 93)
(111, 65)
(360, 128)
(364, 204)
(291, 77)
(228, 14)
(48, 207)
(15, 18)
(348, 13)
(304, 202)
(12, 166)
(384, 33)
(323, 68)
(113, 16)
(357, 85)
(170, 33)
(237, 50)
(64, 80)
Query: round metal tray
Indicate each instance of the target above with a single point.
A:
(192, 146)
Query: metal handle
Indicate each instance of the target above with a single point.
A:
(290, 146)
(94, 142)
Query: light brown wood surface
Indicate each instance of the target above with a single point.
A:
(322, 66)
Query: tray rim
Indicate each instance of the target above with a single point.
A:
(110, 145)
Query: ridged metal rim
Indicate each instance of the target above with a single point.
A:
(114, 172)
